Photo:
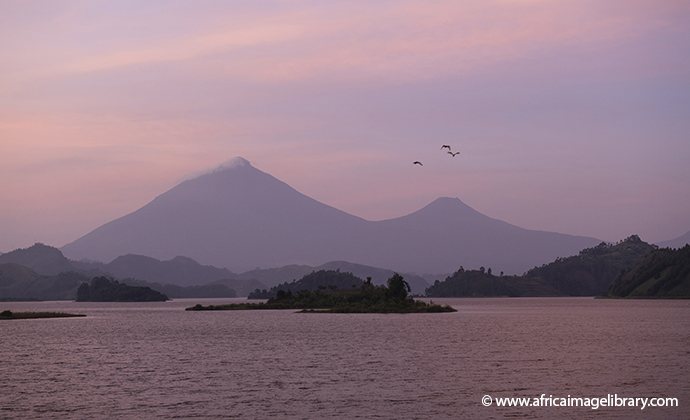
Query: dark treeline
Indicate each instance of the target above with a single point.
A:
(589, 273)
(475, 283)
(322, 279)
(103, 289)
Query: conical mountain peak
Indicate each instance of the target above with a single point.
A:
(444, 211)
(447, 204)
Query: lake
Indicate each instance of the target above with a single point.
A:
(155, 360)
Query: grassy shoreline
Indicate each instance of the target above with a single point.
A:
(408, 307)
(36, 315)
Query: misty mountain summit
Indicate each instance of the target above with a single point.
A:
(241, 218)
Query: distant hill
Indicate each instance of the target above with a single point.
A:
(180, 271)
(180, 277)
(589, 273)
(43, 259)
(17, 281)
(665, 273)
(322, 279)
(273, 276)
(241, 218)
(379, 276)
(243, 287)
(183, 276)
(176, 292)
(678, 242)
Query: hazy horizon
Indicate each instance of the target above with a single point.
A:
(569, 116)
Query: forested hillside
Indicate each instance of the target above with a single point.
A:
(589, 273)
(664, 273)
(593, 270)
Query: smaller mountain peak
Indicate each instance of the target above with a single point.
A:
(43, 259)
(180, 259)
(37, 248)
(447, 208)
(447, 203)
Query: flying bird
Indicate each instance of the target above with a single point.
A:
(445, 146)
(453, 154)
(416, 162)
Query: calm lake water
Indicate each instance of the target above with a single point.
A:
(155, 360)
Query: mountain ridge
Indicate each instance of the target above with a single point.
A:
(241, 218)
(678, 242)
(182, 276)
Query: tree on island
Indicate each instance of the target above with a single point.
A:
(397, 287)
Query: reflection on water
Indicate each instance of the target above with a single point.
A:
(155, 360)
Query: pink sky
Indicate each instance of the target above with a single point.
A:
(571, 116)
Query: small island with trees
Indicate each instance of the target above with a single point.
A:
(367, 298)
(103, 289)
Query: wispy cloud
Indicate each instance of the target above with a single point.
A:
(389, 40)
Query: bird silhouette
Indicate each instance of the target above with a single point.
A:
(445, 146)
(416, 162)
(453, 154)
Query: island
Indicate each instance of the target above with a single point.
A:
(367, 299)
(103, 289)
(36, 315)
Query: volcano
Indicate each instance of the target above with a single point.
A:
(241, 218)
